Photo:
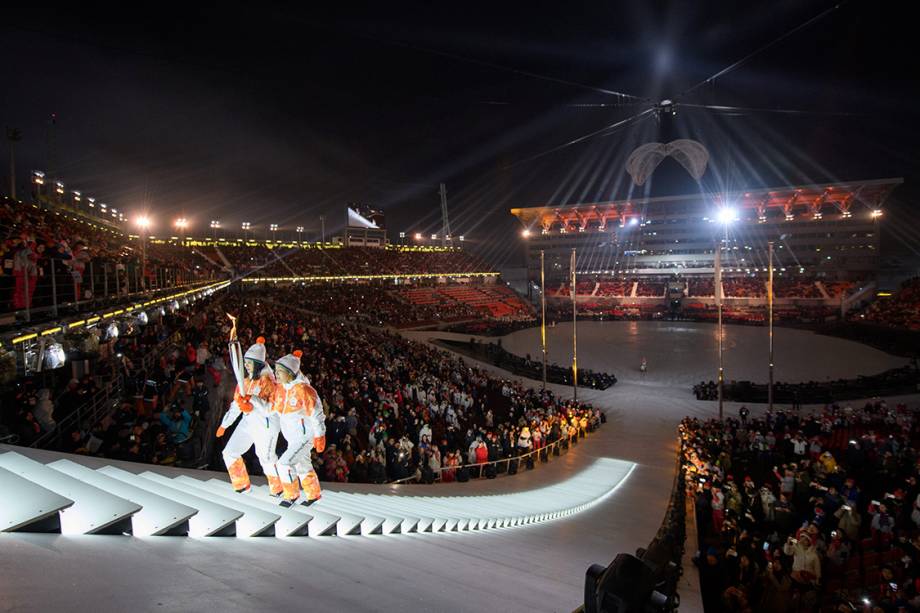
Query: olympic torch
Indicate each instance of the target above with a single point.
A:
(236, 356)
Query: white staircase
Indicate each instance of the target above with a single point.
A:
(70, 496)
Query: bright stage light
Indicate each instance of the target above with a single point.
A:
(876, 213)
(634, 221)
(525, 233)
(143, 221)
(726, 215)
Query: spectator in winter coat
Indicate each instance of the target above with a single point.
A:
(718, 509)
(43, 410)
(806, 564)
(177, 424)
(848, 521)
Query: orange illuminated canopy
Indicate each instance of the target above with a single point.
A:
(810, 198)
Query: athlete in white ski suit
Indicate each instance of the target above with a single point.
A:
(258, 425)
(303, 425)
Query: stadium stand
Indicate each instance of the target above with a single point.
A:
(901, 310)
(816, 511)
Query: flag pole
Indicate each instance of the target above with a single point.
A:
(718, 294)
(574, 333)
(543, 311)
(770, 334)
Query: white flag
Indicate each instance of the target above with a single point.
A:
(718, 279)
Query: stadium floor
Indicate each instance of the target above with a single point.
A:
(538, 567)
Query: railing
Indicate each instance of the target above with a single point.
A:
(660, 561)
(107, 398)
(543, 454)
(56, 290)
(104, 400)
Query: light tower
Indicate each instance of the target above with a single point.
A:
(445, 222)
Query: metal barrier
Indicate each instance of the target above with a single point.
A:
(55, 289)
(543, 454)
(109, 397)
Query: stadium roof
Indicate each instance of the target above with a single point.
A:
(843, 196)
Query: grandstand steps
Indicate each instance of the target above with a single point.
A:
(823, 290)
(76, 495)
(633, 292)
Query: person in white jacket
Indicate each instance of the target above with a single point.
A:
(259, 426)
(303, 425)
(806, 564)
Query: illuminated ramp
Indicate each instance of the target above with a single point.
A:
(88, 496)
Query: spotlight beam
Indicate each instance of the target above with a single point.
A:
(605, 131)
(761, 49)
(742, 109)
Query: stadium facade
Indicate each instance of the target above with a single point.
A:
(825, 231)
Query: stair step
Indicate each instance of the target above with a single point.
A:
(29, 506)
(253, 522)
(211, 520)
(290, 522)
(94, 510)
(158, 514)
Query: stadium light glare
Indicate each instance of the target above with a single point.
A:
(876, 213)
(525, 233)
(634, 221)
(142, 222)
(727, 215)
(182, 223)
(418, 236)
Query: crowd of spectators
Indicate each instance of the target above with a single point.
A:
(60, 257)
(902, 310)
(703, 287)
(796, 288)
(744, 287)
(32, 239)
(816, 512)
(619, 287)
(839, 289)
(333, 260)
(162, 401)
(378, 304)
(650, 288)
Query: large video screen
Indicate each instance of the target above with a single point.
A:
(363, 216)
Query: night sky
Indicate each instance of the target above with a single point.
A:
(278, 115)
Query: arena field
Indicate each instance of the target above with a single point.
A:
(681, 354)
